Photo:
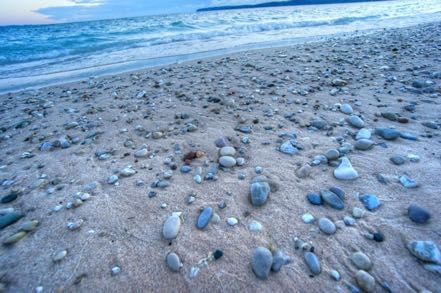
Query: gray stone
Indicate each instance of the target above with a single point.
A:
(349, 221)
(171, 227)
(365, 281)
(279, 260)
(327, 226)
(407, 182)
(227, 151)
(227, 161)
(345, 171)
(304, 171)
(361, 261)
(332, 199)
(363, 144)
(288, 148)
(313, 263)
(204, 217)
(332, 154)
(425, 251)
(355, 121)
(261, 262)
(418, 214)
(363, 133)
(387, 133)
(173, 262)
(259, 193)
(142, 153)
(346, 109)
(398, 160)
(357, 213)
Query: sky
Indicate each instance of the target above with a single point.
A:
(57, 11)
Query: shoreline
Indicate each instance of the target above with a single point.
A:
(90, 171)
(127, 67)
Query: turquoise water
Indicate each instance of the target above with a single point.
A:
(44, 54)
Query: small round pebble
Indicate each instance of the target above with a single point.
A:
(232, 221)
(327, 226)
(365, 281)
(361, 261)
(173, 262)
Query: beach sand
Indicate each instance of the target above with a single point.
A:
(274, 91)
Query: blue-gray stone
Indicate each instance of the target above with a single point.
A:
(408, 136)
(261, 262)
(318, 123)
(313, 263)
(259, 193)
(245, 129)
(387, 133)
(355, 121)
(212, 171)
(46, 146)
(288, 148)
(279, 260)
(314, 198)
(425, 251)
(338, 191)
(370, 202)
(332, 199)
(204, 218)
(407, 182)
(10, 218)
(418, 214)
(185, 169)
(397, 160)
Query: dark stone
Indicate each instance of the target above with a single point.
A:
(370, 202)
(204, 218)
(10, 218)
(218, 254)
(314, 198)
(338, 191)
(387, 133)
(378, 236)
(332, 199)
(8, 198)
(398, 160)
(418, 214)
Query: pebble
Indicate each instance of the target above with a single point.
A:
(363, 133)
(418, 214)
(240, 161)
(425, 251)
(232, 221)
(127, 171)
(387, 133)
(171, 227)
(332, 199)
(407, 182)
(258, 170)
(365, 281)
(397, 160)
(261, 262)
(313, 263)
(314, 198)
(59, 255)
(173, 262)
(185, 169)
(338, 191)
(332, 154)
(345, 171)
(304, 171)
(204, 217)
(227, 161)
(28, 226)
(327, 226)
(142, 153)
(112, 179)
(349, 221)
(357, 213)
(14, 238)
(259, 193)
(288, 148)
(255, 226)
(370, 202)
(361, 261)
(308, 218)
(346, 109)
(335, 275)
(279, 260)
(363, 144)
(355, 121)
(227, 151)
(115, 270)
(10, 218)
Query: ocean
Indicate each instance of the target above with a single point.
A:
(39, 55)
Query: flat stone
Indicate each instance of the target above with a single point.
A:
(261, 262)
(355, 121)
(327, 226)
(59, 255)
(314, 198)
(14, 238)
(365, 281)
(425, 251)
(363, 133)
(387, 133)
(173, 262)
(227, 161)
(204, 217)
(171, 227)
(345, 171)
(338, 191)
(9, 198)
(361, 261)
(227, 151)
(232, 221)
(10, 218)
(288, 148)
(335, 275)
(397, 160)
(112, 179)
(407, 182)
(221, 142)
(332, 199)
(313, 263)
(370, 202)
(259, 193)
(364, 144)
(390, 116)
(418, 214)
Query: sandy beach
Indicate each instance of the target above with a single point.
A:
(92, 170)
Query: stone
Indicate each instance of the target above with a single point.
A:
(319, 123)
(346, 109)
(288, 148)
(361, 261)
(335, 275)
(14, 238)
(397, 160)
(227, 151)
(227, 161)
(171, 227)
(338, 191)
(240, 161)
(308, 218)
(142, 153)
(59, 255)
(255, 226)
(327, 226)
(418, 214)
(304, 171)
(261, 262)
(314, 198)
(425, 250)
(313, 263)
(387, 133)
(279, 260)
(221, 142)
(10, 218)
(408, 136)
(173, 262)
(232, 221)
(332, 154)
(185, 169)
(28, 226)
(332, 199)
(112, 179)
(345, 171)
(363, 133)
(204, 217)
(357, 213)
(127, 171)
(363, 144)
(370, 202)
(390, 116)
(355, 121)
(9, 198)
(407, 182)
(365, 281)
(259, 193)
(349, 221)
